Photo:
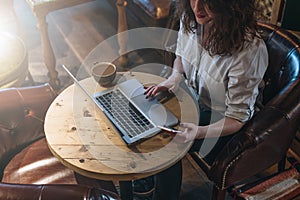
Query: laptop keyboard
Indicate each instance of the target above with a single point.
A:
(121, 110)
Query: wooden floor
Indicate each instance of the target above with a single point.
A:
(74, 32)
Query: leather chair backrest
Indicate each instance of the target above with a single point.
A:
(284, 56)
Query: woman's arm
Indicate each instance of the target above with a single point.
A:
(177, 65)
(223, 127)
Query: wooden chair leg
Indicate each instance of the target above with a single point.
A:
(48, 53)
(122, 31)
(218, 194)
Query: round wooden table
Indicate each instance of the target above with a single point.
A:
(83, 139)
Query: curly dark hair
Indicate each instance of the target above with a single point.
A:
(233, 24)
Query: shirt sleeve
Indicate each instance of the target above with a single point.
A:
(244, 76)
(178, 51)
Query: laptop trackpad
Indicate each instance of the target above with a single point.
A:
(155, 111)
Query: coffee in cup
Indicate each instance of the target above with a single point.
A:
(104, 73)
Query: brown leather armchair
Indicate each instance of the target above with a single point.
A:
(265, 139)
(28, 170)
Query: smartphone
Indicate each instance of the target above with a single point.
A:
(169, 130)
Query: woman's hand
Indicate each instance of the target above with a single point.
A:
(171, 85)
(190, 132)
(154, 89)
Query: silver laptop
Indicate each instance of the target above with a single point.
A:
(126, 106)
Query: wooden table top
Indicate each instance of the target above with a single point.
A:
(83, 139)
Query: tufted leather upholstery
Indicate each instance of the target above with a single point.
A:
(265, 139)
(22, 112)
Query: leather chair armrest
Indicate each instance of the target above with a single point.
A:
(57, 192)
(22, 109)
(22, 114)
(261, 141)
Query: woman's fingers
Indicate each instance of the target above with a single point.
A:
(148, 88)
(151, 91)
(187, 125)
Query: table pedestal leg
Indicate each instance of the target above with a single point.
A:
(126, 190)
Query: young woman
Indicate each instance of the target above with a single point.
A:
(223, 60)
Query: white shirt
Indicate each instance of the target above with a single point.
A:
(228, 84)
